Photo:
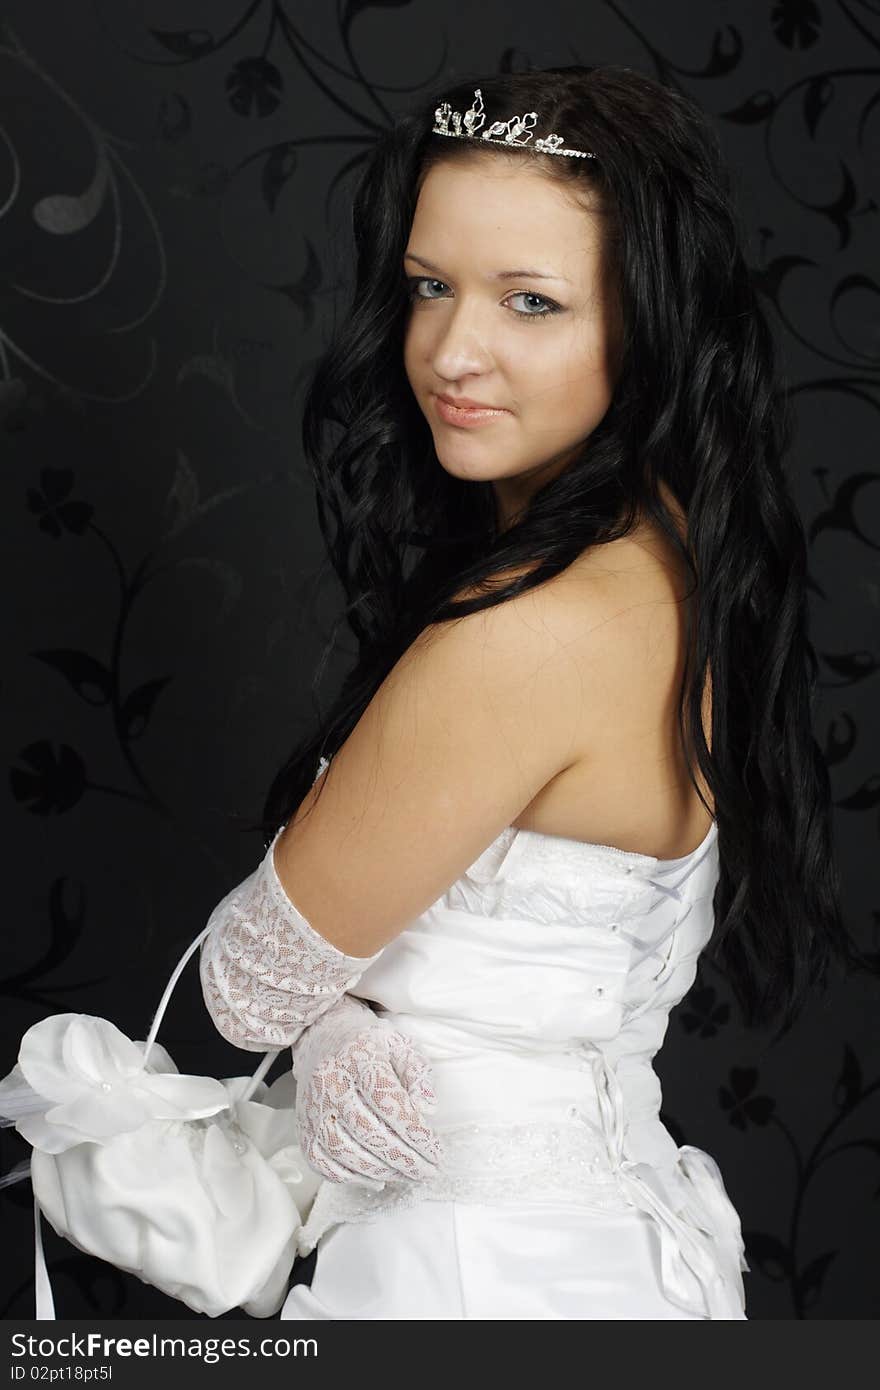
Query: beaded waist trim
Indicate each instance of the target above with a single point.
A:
(497, 1164)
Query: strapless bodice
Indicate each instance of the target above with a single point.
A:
(539, 986)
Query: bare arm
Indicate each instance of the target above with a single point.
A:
(475, 718)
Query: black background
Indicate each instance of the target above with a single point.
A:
(174, 181)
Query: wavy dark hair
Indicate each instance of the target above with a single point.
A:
(697, 404)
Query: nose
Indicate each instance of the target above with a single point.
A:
(460, 347)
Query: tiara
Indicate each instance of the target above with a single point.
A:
(516, 131)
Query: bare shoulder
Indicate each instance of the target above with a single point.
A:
(628, 601)
(631, 583)
(608, 630)
(630, 785)
(551, 658)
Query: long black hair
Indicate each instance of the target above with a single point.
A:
(698, 405)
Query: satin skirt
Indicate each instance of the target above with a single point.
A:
(448, 1260)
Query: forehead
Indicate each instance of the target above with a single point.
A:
(489, 207)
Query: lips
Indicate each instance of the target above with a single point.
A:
(466, 403)
(471, 417)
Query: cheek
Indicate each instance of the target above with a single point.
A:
(413, 353)
(562, 392)
(416, 332)
(558, 377)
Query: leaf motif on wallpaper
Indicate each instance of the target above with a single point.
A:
(51, 781)
(841, 740)
(851, 666)
(65, 214)
(739, 1100)
(702, 1012)
(254, 88)
(809, 1282)
(301, 292)
(347, 167)
(65, 929)
(115, 239)
(726, 52)
(805, 103)
(89, 677)
(777, 1259)
(841, 515)
(755, 109)
(182, 504)
(797, 24)
(854, 293)
(847, 202)
(185, 43)
(769, 1254)
(858, 294)
(280, 163)
(866, 797)
(182, 500)
(58, 512)
(769, 278)
(174, 118)
(138, 706)
(818, 95)
(848, 1087)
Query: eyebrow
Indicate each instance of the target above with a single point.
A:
(496, 275)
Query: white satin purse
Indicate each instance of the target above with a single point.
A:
(197, 1186)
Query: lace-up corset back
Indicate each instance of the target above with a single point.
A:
(546, 942)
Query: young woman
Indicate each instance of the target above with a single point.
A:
(576, 743)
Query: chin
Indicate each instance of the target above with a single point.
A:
(467, 475)
(470, 470)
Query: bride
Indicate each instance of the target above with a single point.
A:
(556, 508)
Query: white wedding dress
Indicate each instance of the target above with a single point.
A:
(539, 987)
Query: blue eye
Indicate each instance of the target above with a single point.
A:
(550, 306)
(415, 280)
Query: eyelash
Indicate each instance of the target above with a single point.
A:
(552, 306)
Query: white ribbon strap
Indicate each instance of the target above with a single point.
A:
(44, 1303)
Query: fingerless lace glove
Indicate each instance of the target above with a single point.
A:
(266, 973)
(360, 1084)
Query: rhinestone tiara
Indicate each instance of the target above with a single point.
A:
(515, 131)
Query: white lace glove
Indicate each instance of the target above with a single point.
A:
(360, 1083)
(266, 973)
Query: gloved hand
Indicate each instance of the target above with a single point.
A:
(360, 1087)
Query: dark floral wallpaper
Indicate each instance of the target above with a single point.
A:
(174, 177)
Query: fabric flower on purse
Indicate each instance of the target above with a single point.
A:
(80, 1079)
